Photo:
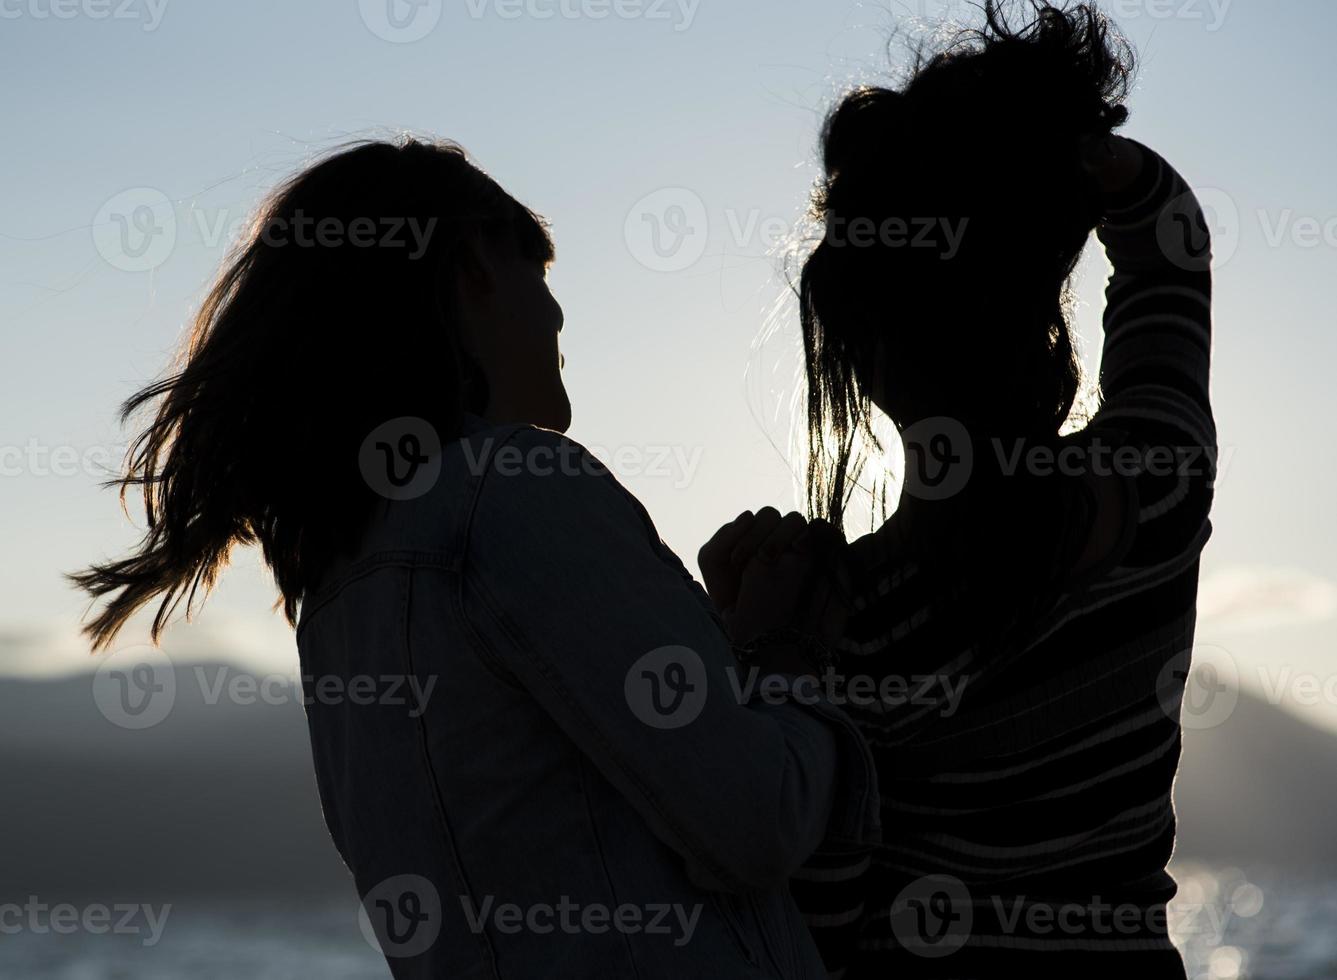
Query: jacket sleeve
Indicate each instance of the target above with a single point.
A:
(568, 588)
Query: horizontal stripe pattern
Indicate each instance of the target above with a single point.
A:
(1030, 768)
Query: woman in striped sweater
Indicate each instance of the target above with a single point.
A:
(1021, 624)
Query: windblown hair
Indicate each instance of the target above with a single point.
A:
(308, 340)
(983, 139)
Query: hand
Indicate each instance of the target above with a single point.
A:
(723, 558)
(765, 572)
(1112, 161)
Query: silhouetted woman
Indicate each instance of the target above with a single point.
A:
(579, 785)
(1025, 616)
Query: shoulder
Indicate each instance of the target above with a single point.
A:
(526, 461)
(536, 479)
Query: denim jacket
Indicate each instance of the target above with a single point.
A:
(534, 749)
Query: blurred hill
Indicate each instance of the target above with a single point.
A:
(1260, 788)
(219, 798)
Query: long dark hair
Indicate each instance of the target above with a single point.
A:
(975, 210)
(333, 316)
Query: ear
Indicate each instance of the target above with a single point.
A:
(474, 269)
(467, 281)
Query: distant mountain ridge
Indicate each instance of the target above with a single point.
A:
(219, 798)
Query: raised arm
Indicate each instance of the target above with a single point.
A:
(1158, 325)
(1155, 363)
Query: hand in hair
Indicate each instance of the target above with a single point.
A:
(1112, 161)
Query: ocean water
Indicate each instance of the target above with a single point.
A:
(1261, 926)
(220, 941)
(1229, 925)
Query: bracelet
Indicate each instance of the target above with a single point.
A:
(814, 652)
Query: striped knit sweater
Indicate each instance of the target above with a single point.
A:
(1025, 717)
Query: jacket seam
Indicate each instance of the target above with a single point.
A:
(688, 840)
(364, 567)
(503, 624)
(438, 797)
(481, 649)
(583, 765)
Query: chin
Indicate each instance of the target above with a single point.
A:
(562, 422)
(557, 417)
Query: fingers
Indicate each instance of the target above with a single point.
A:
(830, 546)
(786, 535)
(765, 534)
(829, 585)
(765, 522)
(770, 596)
(767, 571)
(721, 578)
(720, 547)
(816, 596)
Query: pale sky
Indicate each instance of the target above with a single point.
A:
(701, 115)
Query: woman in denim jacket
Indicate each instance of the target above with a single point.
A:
(535, 746)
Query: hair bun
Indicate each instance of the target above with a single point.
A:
(865, 120)
(1032, 81)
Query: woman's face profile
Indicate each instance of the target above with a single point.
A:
(512, 325)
